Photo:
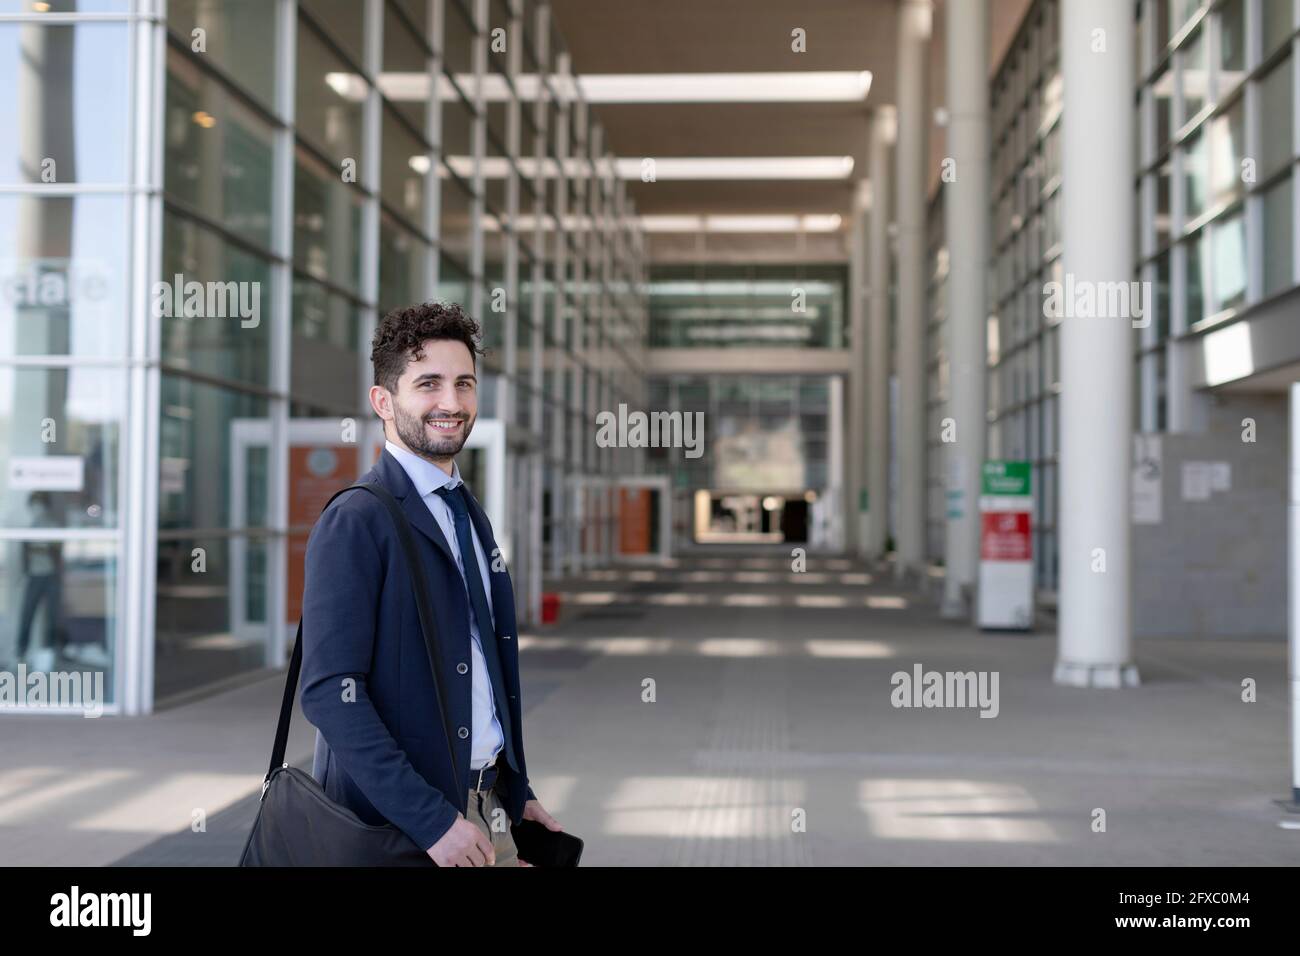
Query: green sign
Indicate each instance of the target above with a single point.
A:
(862, 500)
(1006, 478)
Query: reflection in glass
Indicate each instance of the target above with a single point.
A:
(1196, 176)
(65, 103)
(453, 283)
(63, 275)
(1229, 240)
(231, 336)
(454, 218)
(219, 152)
(326, 348)
(1232, 44)
(1162, 91)
(1279, 236)
(405, 166)
(59, 431)
(1228, 139)
(329, 97)
(1276, 107)
(211, 612)
(326, 223)
(343, 21)
(208, 456)
(1195, 75)
(240, 38)
(1196, 274)
(58, 607)
(1279, 23)
(401, 264)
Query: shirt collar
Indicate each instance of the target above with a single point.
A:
(425, 475)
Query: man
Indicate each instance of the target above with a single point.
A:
(366, 681)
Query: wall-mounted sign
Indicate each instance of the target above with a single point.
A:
(47, 473)
(1006, 578)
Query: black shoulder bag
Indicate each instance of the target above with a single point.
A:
(297, 824)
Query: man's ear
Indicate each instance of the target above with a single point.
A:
(381, 401)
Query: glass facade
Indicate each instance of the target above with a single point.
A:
(1214, 222)
(183, 377)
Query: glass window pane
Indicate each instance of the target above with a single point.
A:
(344, 22)
(63, 275)
(58, 600)
(211, 619)
(326, 224)
(1162, 90)
(401, 265)
(1228, 142)
(1196, 176)
(219, 153)
(59, 432)
(329, 97)
(1279, 236)
(453, 229)
(1232, 44)
(65, 102)
(453, 283)
(326, 348)
(1279, 23)
(211, 304)
(1195, 76)
(239, 36)
(458, 44)
(209, 433)
(1276, 108)
(1229, 238)
(405, 53)
(405, 165)
(1197, 299)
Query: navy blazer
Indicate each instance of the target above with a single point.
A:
(380, 750)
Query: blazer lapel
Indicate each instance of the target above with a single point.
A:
(395, 479)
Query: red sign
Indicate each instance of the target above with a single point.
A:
(1005, 536)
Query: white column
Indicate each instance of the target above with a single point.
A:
(966, 227)
(878, 354)
(913, 48)
(1097, 208)
(855, 465)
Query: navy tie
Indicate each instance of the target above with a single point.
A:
(455, 499)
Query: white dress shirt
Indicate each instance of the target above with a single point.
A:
(486, 736)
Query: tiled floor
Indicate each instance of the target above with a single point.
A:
(729, 711)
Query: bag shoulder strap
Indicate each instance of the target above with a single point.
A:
(428, 628)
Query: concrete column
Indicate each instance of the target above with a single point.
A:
(913, 48)
(1097, 208)
(855, 463)
(966, 226)
(878, 345)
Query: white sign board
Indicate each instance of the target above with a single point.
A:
(47, 473)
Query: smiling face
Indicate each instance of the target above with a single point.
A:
(435, 405)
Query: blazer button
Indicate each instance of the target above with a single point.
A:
(463, 733)
(462, 667)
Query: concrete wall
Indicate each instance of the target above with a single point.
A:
(1217, 567)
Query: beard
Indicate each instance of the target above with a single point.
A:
(410, 428)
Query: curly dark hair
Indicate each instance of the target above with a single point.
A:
(401, 332)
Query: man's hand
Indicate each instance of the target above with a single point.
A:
(533, 810)
(463, 845)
